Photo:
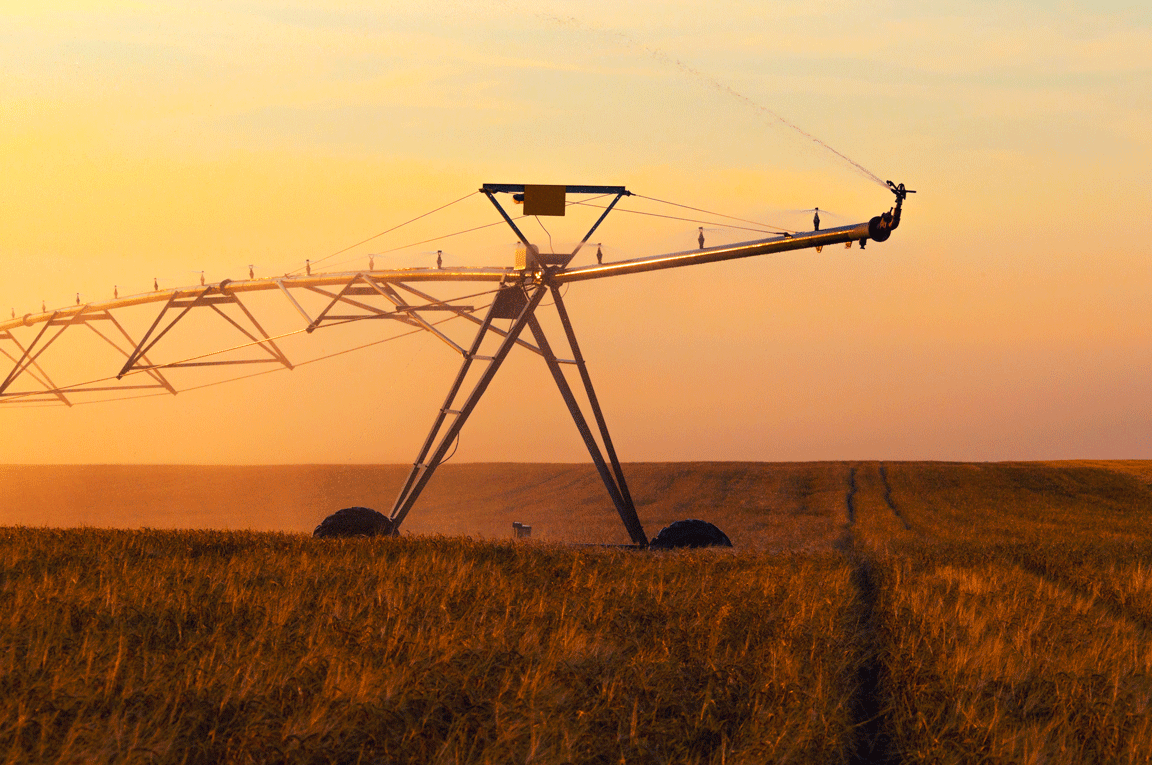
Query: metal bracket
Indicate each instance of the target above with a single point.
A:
(517, 189)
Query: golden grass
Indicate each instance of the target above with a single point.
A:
(1014, 611)
(887, 612)
(986, 661)
(214, 646)
(998, 502)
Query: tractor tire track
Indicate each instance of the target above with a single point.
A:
(851, 498)
(1100, 598)
(888, 498)
(871, 739)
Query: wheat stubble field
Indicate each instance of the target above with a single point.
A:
(869, 612)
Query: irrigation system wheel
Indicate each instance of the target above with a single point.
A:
(354, 522)
(689, 533)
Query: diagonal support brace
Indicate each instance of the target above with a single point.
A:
(614, 479)
(436, 445)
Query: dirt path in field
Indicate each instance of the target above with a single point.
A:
(851, 499)
(888, 498)
(872, 740)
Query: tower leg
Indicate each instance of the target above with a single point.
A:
(437, 443)
(449, 421)
(614, 479)
(592, 400)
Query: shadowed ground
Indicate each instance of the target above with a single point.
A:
(770, 506)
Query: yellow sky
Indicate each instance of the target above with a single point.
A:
(1008, 317)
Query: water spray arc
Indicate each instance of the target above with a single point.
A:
(707, 80)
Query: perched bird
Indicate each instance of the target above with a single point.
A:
(155, 285)
(115, 293)
(77, 298)
(599, 255)
(700, 238)
(439, 259)
(251, 273)
(816, 220)
(201, 278)
(371, 263)
(308, 267)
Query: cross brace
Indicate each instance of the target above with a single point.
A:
(205, 298)
(518, 304)
(352, 298)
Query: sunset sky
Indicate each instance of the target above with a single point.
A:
(1009, 317)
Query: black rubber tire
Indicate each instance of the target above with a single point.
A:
(354, 522)
(689, 533)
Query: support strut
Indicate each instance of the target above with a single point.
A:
(520, 306)
(614, 480)
(436, 444)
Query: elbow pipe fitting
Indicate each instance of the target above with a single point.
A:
(882, 226)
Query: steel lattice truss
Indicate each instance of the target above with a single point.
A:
(394, 295)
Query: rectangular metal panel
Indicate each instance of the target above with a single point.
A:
(509, 303)
(544, 200)
(526, 257)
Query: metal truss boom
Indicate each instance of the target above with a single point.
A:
(393, 295)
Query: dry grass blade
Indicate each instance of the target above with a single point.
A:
(211, 647)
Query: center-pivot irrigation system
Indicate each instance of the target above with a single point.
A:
(393, 294)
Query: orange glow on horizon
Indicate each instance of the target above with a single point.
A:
(1006, 319)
